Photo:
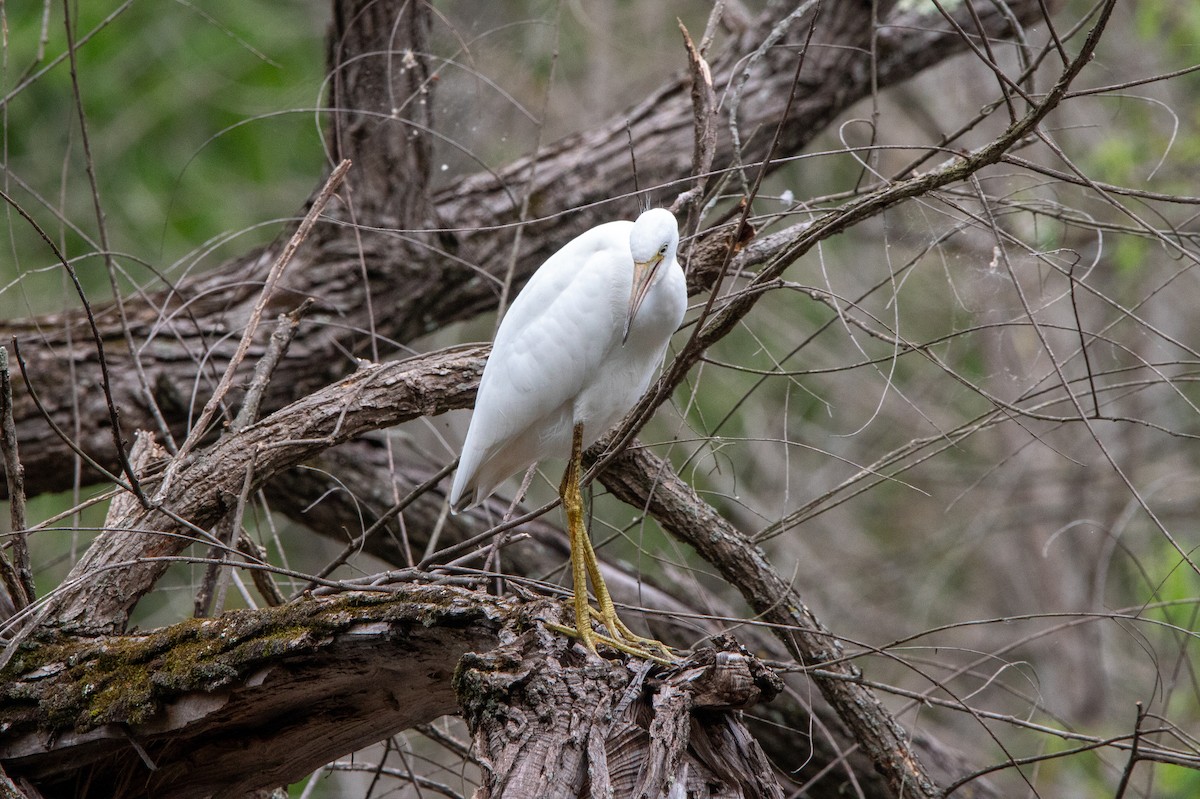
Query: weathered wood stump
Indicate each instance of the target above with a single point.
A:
(549, 719)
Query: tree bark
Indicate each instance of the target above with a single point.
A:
(172, 713)
(599, 728)
(168, 713)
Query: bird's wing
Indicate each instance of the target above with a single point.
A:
(557, 332)
(550, 345)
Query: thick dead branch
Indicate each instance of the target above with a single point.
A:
(16, 575)
(319, 678)
(308, 682)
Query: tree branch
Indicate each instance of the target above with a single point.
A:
(309, 682)
(127, 559)
(644, 481)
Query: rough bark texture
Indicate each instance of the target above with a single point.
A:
(318, 679)
(151, 714)
(549, 723)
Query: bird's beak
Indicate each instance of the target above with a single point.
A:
(643, 274)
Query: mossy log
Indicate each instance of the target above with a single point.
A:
(248, 700)
(260, 698)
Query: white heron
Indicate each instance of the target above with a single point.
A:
(572, 356)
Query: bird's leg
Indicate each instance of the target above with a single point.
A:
(584, 562)
(608, 611)
(572, 501)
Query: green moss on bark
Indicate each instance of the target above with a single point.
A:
(56, 683)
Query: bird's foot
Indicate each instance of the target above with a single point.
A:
(620, 637)
(631, 639)
(590, 639)
(643, 650)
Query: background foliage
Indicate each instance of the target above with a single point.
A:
(892, 423)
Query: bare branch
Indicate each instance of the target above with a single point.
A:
(642, 480)
(17, 574)
(200, 427)
(96, 598)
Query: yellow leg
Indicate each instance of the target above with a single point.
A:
(572, 501)
(584, 565)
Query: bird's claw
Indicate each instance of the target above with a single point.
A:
(632, 640)
(624, 640)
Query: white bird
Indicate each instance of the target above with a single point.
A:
(573, 355)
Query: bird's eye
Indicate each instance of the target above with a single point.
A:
(662, 250)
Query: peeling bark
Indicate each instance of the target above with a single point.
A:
(551, 721)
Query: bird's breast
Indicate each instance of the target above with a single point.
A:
(624, 375)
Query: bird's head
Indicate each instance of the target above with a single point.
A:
(652, 242)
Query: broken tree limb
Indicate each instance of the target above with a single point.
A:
(550, 720)
(153, 713)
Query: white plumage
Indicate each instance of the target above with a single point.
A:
(561, 356)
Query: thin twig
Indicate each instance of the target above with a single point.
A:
(218, 553)
(36, 399)
(110, 265)
(213, 583)
(281, 338)
(540, 129)
(1134, 754)
(226, 382)
(704, 123)
(359, 541)
(735, 100)
(263, 579)
(1083, 348)
(114, 416)
(17, 575)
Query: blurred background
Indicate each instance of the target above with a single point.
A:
(965, 429)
